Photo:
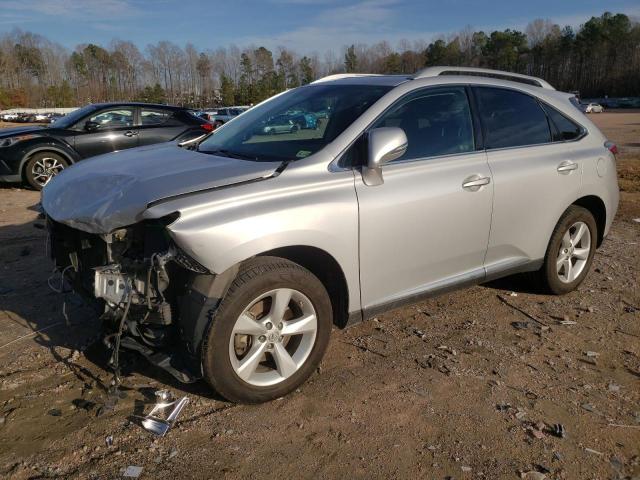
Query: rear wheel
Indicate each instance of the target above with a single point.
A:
(42, 167)
(570, 252)
(269, 333)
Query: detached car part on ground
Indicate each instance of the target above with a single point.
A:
(231, 261)
(34, 155)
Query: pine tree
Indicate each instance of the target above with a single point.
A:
(351, 59)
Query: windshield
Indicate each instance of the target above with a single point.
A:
(295, 124)
(70, 120)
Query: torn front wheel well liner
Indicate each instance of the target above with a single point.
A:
(197, 305)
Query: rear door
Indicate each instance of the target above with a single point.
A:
(114, 130)
(159, 125)
(535, 175)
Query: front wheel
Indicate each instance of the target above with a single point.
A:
(42, 167)
(570, 252)
(269, 333)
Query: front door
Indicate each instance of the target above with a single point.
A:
(427, 226)
(112, 129)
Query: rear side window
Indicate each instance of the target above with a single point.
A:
(511, 119)
(562, 128)
(154, 117)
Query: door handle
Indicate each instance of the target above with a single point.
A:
(474, 182)
(130, 133)
(567, 166)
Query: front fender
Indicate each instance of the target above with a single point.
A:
(229, 226)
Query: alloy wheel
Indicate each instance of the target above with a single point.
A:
(574, 252)
(45, 169)
(273, 337)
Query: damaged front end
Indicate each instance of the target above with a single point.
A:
(138, 280)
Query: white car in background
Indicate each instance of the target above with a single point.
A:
(592, 108)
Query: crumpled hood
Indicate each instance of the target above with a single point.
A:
(10, 132)
(111, 191)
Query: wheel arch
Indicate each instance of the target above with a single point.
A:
(44, 148)
(324, 266)
(598, 209)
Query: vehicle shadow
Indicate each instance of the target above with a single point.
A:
(63, 323)
(519, 283)
(31, 310)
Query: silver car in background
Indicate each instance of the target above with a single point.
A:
(592, 108)
(231, 260)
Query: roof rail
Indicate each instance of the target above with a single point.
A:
(338, 76)
(483, 72)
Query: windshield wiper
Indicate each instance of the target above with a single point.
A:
(230, 154)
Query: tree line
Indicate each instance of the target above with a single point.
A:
(601, 57)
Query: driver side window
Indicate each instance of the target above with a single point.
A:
(121, 117)
(436, 122)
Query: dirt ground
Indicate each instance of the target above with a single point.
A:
(467, 385)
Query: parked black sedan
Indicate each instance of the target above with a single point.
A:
(36, 154)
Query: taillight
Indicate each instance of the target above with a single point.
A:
(207, 127)
(612, 147)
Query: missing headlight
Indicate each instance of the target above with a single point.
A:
(185, 261)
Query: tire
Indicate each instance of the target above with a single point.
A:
(226, 353)
(42, 167)
(555, 276)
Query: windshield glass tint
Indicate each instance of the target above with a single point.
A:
(295, 124)
(69, 120)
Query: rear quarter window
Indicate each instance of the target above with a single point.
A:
(511, 118)
(563, 129)
(150, 117)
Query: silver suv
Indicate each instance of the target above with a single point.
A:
(232, 259)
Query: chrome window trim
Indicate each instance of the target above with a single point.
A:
(334, 167)
(428, 159)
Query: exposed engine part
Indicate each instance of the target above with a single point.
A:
(111, 285)
(126, 275)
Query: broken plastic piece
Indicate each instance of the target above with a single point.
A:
(159, 426)
(558, 430)
(163, 396)
(132, 471)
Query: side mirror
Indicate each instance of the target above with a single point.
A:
(90, 126)
(385, 144)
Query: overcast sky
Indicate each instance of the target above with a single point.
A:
(303, 25)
